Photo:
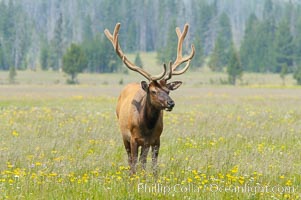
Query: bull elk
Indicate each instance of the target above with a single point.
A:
(140, 106)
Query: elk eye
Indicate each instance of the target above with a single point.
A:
(154, 92)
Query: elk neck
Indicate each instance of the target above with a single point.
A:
(150, 114)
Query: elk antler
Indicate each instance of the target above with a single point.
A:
(114, 39)
(180, 59)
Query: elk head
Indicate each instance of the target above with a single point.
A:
(158, 93)
(158, 87)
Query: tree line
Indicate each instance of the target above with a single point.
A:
(37, 35)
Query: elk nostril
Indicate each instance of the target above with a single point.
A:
(171, 103)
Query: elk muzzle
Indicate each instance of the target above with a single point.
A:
(170, 105)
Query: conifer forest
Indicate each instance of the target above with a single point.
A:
(266, 34)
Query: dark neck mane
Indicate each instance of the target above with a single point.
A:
(150, 114)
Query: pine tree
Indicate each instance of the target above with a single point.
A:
(138, 61)
(266, 37)
(265, 47)
(57, 43)
(131, 37)
(297, 42)
(93, 52)
(225, 38)
(2, 58)
(234, 68)
(205, 18)
(12, 74)
(198, 58)
(110, 61)
(44, 57)
(100, 55)
(14, 35)
(214, 60)
(297, 75)
(268, 9)
(74, 62)
(169, 52)
(249, 45)
(284, 48)
(7, 34)
(222, 48)
(87, 28)
(283, 72)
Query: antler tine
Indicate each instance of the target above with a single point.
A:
(181, 37)
(170, 70)
(179, 60)
(114, 40)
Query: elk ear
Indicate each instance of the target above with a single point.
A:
(174, 85)
(144, 85)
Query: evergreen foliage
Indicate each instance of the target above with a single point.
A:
(36, 34)
(169, 52)
(265, 46)
(297, 42)
(249, 46)
(284, 48)
(222, 47)
(198, 58)
(138, 61)
(234, 68)
(12, 74)
(100, 54)
(205, 17)
(214, 61)
(297, 75)
(44, 57)
(258, 47)
(74, 62)
(57, 44)
(15, 33)
(2, 56)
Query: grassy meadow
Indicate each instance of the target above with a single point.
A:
(219, 142)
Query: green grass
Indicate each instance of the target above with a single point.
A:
(220, 142)
(200, 77)
(191, 78)
(62, 142)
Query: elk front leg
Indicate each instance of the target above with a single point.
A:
(143, 155)
(134, 155)
(127, 146)
(155, 153)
